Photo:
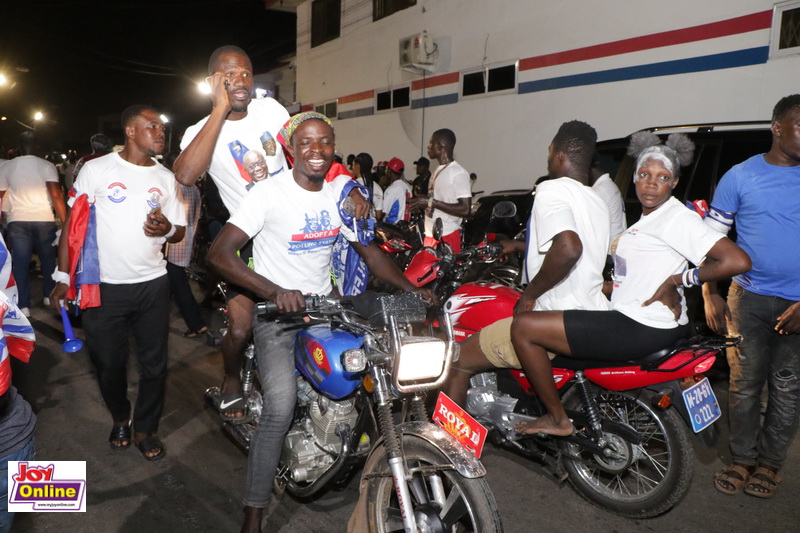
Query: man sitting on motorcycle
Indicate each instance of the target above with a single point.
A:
(568, 234)
(650, 267)
(292, 257)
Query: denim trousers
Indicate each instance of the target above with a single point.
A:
(763, 357)
(25, 239)
(28, 453)
(274, 353)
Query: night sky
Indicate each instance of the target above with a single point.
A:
(76, 61)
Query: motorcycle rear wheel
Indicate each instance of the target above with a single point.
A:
(470, 505)
(643, 480)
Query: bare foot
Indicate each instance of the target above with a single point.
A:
(547, 425)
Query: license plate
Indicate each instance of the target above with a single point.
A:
(702, 405)
(459, 424)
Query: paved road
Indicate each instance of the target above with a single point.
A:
(198, 486)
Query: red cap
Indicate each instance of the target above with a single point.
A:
(396, 164)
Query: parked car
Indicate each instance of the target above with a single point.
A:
(718, 147)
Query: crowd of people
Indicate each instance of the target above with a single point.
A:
(278, 221)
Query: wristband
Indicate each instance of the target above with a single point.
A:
(690, 278)
(60, 277)
(170, 233)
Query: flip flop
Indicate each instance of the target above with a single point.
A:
(152, 442)
(119, 434)
(230, 402)
(192, 334)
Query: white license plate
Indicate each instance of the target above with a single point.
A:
(702, 405)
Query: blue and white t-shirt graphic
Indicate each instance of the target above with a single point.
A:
(316, 234)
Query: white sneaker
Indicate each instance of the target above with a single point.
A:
(46, 301)
(25, 311)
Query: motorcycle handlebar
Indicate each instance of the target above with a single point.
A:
(271, 308)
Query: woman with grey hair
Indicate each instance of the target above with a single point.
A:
(650, 272)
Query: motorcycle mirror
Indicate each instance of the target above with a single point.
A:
(437, 229)
(504, 209)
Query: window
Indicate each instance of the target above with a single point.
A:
(497, 79)
(325, 21)
(393, 98)
(785, 39)
(384, 8)
(329, 109)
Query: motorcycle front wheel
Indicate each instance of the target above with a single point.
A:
(469, 505)
(633, 480)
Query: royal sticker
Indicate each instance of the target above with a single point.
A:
(459, 424)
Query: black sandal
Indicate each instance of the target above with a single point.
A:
(150, 443)
(118, 435)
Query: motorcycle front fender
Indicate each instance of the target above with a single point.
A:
(466, 464)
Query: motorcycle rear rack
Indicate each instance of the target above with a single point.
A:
(701, 346)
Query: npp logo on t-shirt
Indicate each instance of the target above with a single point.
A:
(317, 233)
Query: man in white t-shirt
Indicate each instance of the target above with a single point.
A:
(30, 188)
(396, 194)
(293, 220)
(568, 239)
(220, 143)
(136, 209)
(606, 189)
(449, 192)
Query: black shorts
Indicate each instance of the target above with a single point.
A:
(233, 290)
(612, 336)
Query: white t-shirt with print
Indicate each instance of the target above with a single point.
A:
(449, 182)
(25, 180)
(655, 247)
(123, 195)
(257, 130)
(394, 201)
(293, 231)
(566, 205)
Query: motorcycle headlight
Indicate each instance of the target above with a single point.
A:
(354, 360)
(420, 358)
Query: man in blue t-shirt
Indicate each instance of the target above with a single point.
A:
(761, 196)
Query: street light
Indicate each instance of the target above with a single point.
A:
(38, 116)
(3, 79)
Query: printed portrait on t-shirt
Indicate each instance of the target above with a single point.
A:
(316, 234)
(268, 144)
(256, 166)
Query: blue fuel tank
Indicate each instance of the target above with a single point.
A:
(317, 355)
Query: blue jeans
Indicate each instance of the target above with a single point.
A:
(274, 350)
(28, 453)
(25, 239)
(764, 356)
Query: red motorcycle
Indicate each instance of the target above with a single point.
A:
(631, 452)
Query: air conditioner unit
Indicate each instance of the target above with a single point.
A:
(417, 52)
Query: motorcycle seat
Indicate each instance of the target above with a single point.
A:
(653, 359)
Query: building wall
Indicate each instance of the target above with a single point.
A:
(620, 65)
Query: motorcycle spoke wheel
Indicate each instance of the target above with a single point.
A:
(468, 504)
(633, 480)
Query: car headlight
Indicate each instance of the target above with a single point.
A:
(420, 358)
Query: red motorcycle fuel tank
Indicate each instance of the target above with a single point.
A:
(473, 306)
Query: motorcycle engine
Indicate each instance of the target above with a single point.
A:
(486, 403)
(312, 444)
